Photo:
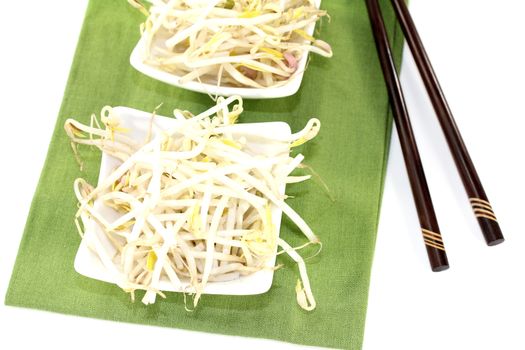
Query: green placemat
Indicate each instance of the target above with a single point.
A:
(346, 92)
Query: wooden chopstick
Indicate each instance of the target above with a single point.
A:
(427, 217)
(478, 199)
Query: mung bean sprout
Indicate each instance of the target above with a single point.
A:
(239, 43)
(194, 201)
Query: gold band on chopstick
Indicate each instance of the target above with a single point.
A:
(433, 239)
(484, 206)
(432, 234)
(479, 200)
(483, 209)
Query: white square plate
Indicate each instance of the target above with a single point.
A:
(88, 263)
(288, 89)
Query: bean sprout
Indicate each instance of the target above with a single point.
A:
(240, 43)
(194, 202)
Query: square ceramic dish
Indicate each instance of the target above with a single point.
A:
(88, 263)
(288, 89)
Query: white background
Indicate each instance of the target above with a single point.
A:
(478, 52)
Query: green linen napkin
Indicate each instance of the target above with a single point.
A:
(346, 92)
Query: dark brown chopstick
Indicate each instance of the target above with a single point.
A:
(478, 199)
(427, 217)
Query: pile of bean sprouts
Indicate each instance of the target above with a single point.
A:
(194, 201)
(239, 43)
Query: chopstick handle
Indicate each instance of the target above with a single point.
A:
(427, 217)
(478, 199)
